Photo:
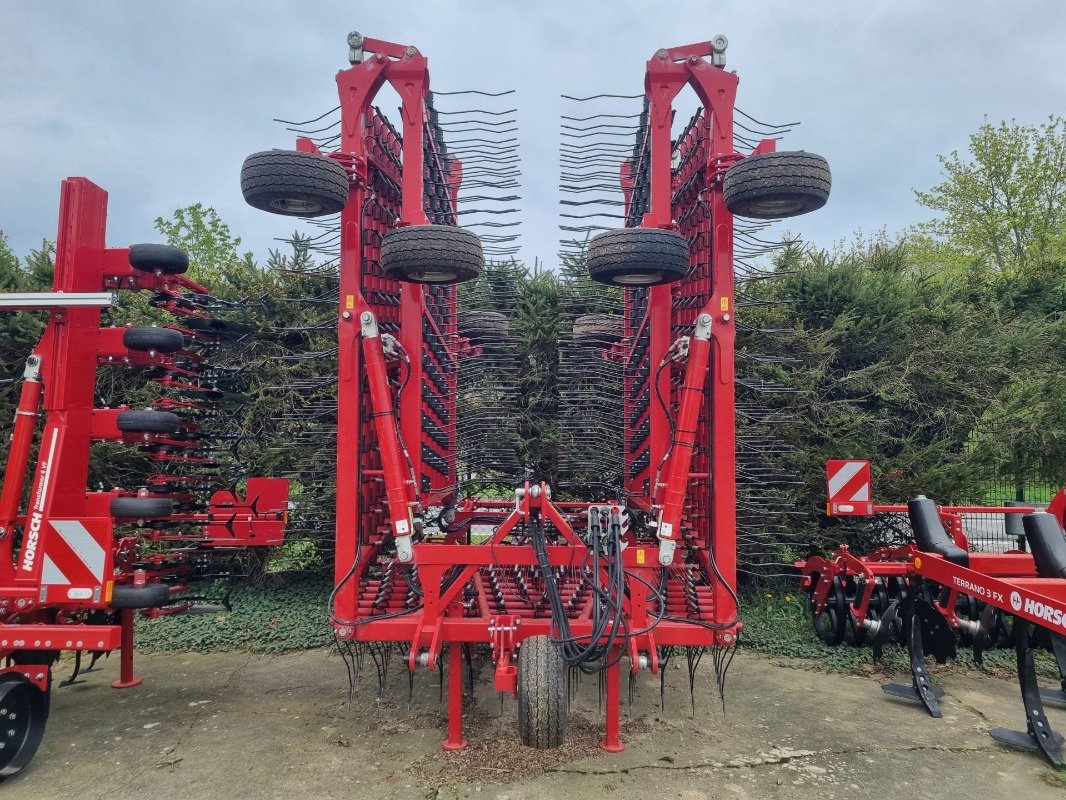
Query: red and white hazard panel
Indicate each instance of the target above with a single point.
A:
(76, 560)
(849, 488)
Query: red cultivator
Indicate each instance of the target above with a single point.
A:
(937, 592)
(551, 585)
(68, 579)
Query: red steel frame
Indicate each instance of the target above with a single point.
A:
(67, 528)
(479, 592)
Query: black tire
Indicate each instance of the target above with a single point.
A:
(141, 507)
(438, 254)
(153, 595)
(543, 699)
(483, 326)
(777, 185)
(294, 184)
(159, 258)
(148, 422)
(598, 328)
(637, 257)
(24, 709)
(149, 338)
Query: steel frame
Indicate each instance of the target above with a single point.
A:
(396, 453)
(69, 560)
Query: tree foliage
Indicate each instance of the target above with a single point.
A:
(1004, 204)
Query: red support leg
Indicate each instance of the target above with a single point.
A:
(455, 740)
(612, 740)
(126, 678)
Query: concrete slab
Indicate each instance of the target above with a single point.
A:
(235, 725)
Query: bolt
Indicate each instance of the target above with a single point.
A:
(367, 317)
(705, 319)
(346, 315)
(410, 51)
(726, 318)
(727, 637)
(693, 60)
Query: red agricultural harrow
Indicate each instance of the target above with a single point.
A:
(77, 565)
(938, 592)
(550, 585)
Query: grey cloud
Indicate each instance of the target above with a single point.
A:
(160, 102)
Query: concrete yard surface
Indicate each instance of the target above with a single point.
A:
(237, 725)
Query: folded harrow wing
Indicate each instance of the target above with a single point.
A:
(938, 592)
(549, 585)
(77, 565)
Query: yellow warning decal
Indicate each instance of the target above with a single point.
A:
(917, 563)
(725, 304)
(349, 302)
(640, 556)
(108, 589)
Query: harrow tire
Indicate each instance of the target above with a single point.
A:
(777, 185)
(433, 254)
(146, 338)
(481, 327)
(141, 507)
(294, 184)
(598, 328)
(159, 258)
(148, 422)
(543, 699)
(24, 708)
(637, 257)
(153, 595)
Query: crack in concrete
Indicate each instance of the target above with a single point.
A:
(770, 759)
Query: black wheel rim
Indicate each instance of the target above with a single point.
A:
(23, 713)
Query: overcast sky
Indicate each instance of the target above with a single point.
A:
(159, 102)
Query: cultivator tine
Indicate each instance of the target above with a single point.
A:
(77, 670)
(1057, 697)
(723, 659)
(664, 659)
(693, 655)
(1039, 736)
(595, 142)
(921, 688)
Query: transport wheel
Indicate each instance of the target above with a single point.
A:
(24, 712)
(431, 254)
(148, 422)
(142, 507)
(483, 326)
(829, 625)
(153, 595)
(159, 258)
(294, 184)
(161, 340)
(777, 185)
(598, 327)
(543, 700)
(637, 257)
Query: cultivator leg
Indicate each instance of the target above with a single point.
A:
(922, 689)
(1038, 735)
